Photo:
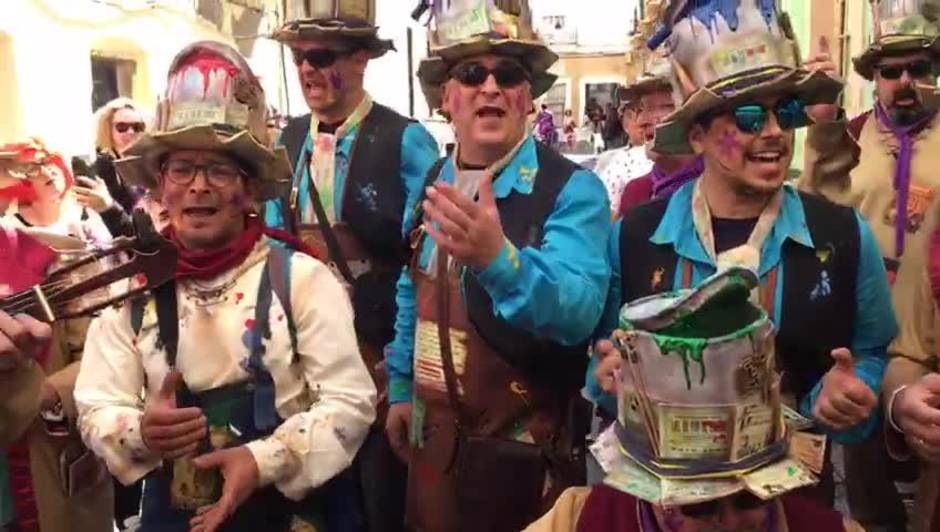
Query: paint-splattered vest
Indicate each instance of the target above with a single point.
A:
(374, 226)
(808, 328)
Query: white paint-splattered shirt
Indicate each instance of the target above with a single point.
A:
(618, 167)
(327, 398)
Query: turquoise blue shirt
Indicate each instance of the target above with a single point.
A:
(556, 292)
(875, 324)
(419, 151)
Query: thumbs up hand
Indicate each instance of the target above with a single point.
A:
(469, 231)
(845, 400)
(915, 411)
(821, 61)
(169, 431)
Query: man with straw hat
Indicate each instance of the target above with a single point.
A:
(237, 390)
(507, 284)
(701, 442)
(883, 163)
(745, 93)
(356, 164)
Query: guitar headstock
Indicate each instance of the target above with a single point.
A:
(98, 279)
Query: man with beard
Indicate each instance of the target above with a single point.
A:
(356, 165)
(814, 258)
(506, 285)
(884, 163)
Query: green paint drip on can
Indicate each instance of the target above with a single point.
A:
(689, 350)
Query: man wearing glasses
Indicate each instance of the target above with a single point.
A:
(884, 163)
(815, 259)
(506, 285)
(356, 165)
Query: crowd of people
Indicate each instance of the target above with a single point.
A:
(363, 335)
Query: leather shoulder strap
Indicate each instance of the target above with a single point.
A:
(442, 284)
(278, 265)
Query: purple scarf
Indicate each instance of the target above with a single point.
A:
(902, 172)
(665, 184)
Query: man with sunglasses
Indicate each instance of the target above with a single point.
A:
(814, 258)
(884, 163)
(505, 286)
(356, 165)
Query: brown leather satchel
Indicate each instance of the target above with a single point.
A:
(499, 482)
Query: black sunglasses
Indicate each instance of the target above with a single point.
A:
(122, 127)
(752, 117)
(702, 510)
(319, 57)
(916, 69)
(506, 73)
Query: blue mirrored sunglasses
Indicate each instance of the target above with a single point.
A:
(752, 117)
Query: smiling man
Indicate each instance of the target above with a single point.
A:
(508, 264)
(884, 163)
(814, 258)
(237, 389)
(356, 165)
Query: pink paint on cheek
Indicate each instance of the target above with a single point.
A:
(337, 81)
(455, 104)
(728, 144)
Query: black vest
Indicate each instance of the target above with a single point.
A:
(373, 207)
(373, 198)
(523, 217)
(811, 324)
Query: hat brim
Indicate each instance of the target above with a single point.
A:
(271, 168)
(812, 87)
(433, 71)
(632, 93)
(366, 37)
(894, 45)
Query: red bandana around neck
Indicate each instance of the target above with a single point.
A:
(204, 265)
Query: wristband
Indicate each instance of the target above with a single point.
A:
(890, 415)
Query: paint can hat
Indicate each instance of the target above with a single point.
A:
(340, 20)
(17, 162)
(466, 28)
(700, 415)
(901, 26)
(726, 52)
(213, 101)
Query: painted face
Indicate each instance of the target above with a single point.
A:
(328, 73)
(725, 517)
(490, 114)
(49, 183)
(751, 163)
(208, 212)
(126, 126)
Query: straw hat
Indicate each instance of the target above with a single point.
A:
(700, 414)
(726, 52)
(656, 76)
(901, 26)
(469, 28)
(340, 20)
(213, 101)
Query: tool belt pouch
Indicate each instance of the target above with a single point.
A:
(499, 483)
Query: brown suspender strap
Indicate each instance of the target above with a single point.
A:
(443, 331)
(768, 293)
(686, 273)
